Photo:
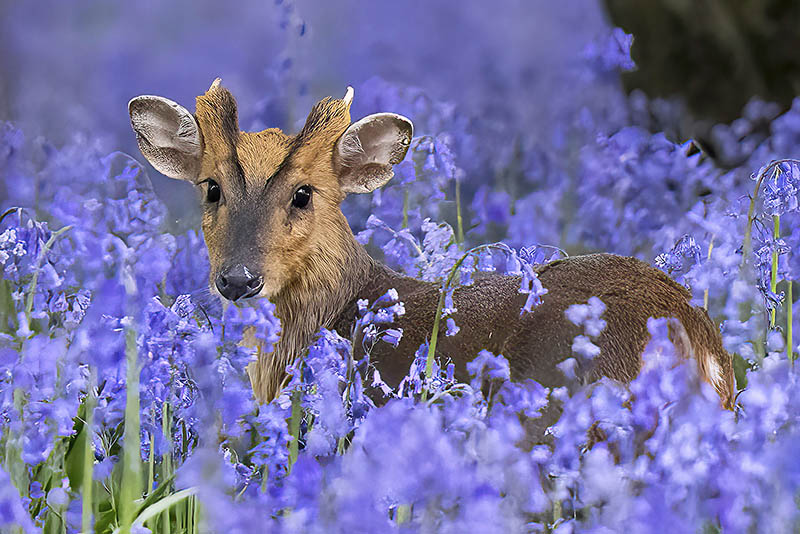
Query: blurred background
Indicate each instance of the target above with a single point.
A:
(71, 68)
(506, 79)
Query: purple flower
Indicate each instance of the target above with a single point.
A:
(612, 52)
(12, 511)
(487, 367)
(588, 316)
(780, 189)
(452, 328)
(584, 347)
(686, 249)
(392, 336)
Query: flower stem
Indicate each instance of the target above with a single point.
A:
(773, 284)
(131, 470)
(437, 318)
(88, 456)
(460, 224)
(403, 514)
(557, 512)
(39, 261)
(789, 304)
(166, 460)
(405, 208)
(748, 231)
(294, 429)
(708, 258)
(747, 243)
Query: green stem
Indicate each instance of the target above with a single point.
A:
(166, 459)
(557, 512)
(88, 456)
(708, 258)
(151, 523)
(8, 212)
(294, 429)
(747, 243)
(773, 284)
(440, 305)
(151, 461)
(460, 224)
(789, 304)
(402, 514)
(39, 261)
(131, 470)
(434, 339)
(405, 208)
(196, 516)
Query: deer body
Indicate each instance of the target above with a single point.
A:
(274, 229)
(488, 314)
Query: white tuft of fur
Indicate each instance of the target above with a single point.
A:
(713, 370)
(348, 96)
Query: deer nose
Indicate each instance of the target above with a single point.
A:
(238, 282)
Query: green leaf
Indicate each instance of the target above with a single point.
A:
(7, 310)
(161, 506)
(740, 368)
(105, 518)
(73, 459)
(156, 494)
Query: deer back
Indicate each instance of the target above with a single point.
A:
(488, 315)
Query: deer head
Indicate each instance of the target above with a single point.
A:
(271, 201)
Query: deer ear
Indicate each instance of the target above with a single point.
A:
(168, 136)
(365, 153)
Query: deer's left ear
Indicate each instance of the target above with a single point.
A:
(168, 136)
(365, 153)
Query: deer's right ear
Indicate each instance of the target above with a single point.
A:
(168, 136)
(365, 153)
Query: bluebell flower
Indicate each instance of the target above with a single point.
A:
(673, 260)
(612, 52)
(452, 328)
(527, 397)
(588, 316)
(584, 347)
(485, 262)
(487, 367)
(780, 189)
(490, 207)
(12, 512)
(392, 336)
(576, 168)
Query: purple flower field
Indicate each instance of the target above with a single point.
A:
(124, 401)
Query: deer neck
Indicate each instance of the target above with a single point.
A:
(332, 277)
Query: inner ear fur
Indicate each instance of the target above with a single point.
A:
(365, 153)
(168, 136)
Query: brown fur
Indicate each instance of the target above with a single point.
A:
(534, 343)
(315, 271)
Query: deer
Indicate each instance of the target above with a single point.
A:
(274, 228)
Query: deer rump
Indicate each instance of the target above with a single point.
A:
(488, 315)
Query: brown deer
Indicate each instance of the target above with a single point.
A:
(274, 229)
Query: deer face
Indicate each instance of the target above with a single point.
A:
(271, 202)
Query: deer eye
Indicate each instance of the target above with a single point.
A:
(213, 192)
(301, 196)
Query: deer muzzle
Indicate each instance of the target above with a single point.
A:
(238, 282)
